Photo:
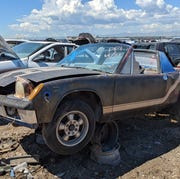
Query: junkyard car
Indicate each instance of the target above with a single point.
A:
(42, 53)
(96, 83)
(32, 54)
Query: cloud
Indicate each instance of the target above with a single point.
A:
(151, 4)
(100, 17)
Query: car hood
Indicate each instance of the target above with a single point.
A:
(6, 48)
(44, 74)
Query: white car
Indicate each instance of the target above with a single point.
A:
(42, 53)
(32, 54)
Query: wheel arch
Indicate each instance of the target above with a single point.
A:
(89, 96)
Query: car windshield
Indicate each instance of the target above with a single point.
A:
(103, 57)
(27, 48)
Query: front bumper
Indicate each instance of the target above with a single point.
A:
(19, 111)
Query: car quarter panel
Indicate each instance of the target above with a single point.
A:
(55, 91)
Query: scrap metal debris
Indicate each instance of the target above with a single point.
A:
(4, 169)
(8, 144)
(29, 159)
(18, 166)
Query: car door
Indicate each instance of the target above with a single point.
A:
(133, 90)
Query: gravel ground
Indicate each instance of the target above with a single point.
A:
(149, 148)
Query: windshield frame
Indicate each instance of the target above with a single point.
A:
(108, 64)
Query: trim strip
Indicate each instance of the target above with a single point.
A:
(107, 109)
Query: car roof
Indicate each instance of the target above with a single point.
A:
(14, 39)
(50, 42)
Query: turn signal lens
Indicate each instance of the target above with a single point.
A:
(35, 91)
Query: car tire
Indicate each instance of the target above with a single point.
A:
(106, 135)
(71, 129)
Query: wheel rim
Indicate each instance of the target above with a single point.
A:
(72, 128)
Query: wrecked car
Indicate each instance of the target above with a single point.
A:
(95, 84)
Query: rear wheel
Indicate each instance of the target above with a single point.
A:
(71, 129)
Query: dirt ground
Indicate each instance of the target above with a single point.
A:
(149, 148)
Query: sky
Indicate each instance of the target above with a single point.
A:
(61, 18)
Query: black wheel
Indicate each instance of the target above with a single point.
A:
(106, 135)
(71, 129)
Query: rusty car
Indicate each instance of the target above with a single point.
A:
(95, 84)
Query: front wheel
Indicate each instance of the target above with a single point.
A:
(71, 129)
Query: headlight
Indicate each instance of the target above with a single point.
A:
(25, 89)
